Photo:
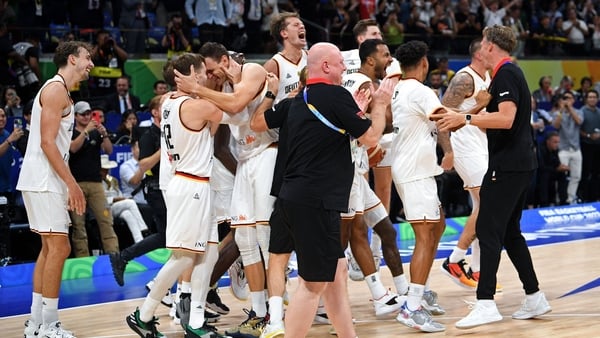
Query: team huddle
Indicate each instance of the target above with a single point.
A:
(258, 162)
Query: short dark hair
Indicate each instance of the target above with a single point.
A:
(362, 25)
(409, 54)
(182, 63)
(67, 48)
(475, 46)
(213, 50)
(593, 91)
(368, 48)
(168, 73)
(157, 82)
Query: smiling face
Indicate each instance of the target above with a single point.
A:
(83, 63)
(213, 69)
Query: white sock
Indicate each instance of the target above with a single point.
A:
(476, 258)
(415, 295)
(147, 309)
(457, 254)
(258, 303)
(487, 302)
(186, 287)
(374, 282)
(49, 310)
(533, 295)
(36, 308)
(197, 320)
(275, 309)
(401, 284)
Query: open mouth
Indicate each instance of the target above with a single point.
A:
(302, 35)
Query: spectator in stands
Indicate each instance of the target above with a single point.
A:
(596, 37)
(270, 10)
(590, 146)
(568, 122)
(28, 74)
(418, 26)
(160, 87)
(253, 22)
(127, 132)
(12, 102)
(121, 206)
(109, 62)
(521, 30)
(210, 16)
(468, 25)
(131, 177)
(122, 100)
(338, 22)
(177, 39)
(542, 44)
(445, 72)
(565, 86)
(87, 14)
(541, 122)
(134, 24)
(435, 82)
(7, 156)
(584, 86)
(22, 142)
(393, 31)
(576, 31)
(544, 93)
(492, 14)
(552, 174)
(88, 140)
(7, 53)
(444, 29)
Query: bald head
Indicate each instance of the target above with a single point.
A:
(325, 61)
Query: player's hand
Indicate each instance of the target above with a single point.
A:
(483, 97)
(362, 97)
(383, 94)
(448, 120)
(272, 83)
(76, 200)
(186, 83)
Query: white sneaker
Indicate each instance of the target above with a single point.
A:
(321, 318)
(419, 319)
(429, 303)
(238, 282)
(354, 271)
(387, 304)
(533, 306)
(272, 330)
(32, 329)
(55, 330)
(481, 314)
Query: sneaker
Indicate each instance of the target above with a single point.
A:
(183, 309)
(173, 314)
(167, 299)
(354, 271)
(533, 307)
(213, 302)
(206, 331)
(321, 318)
(144, 329)
(32, 329)
(118, 267)
(458, 274)
(475, 276)
(481, 314)
(211, 317)
(249, 326)
(238, 282)
(387, 304)
(419, 319)
(429, 303)
(55, 330)
(273, 330)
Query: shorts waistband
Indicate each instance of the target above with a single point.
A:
(193, 177)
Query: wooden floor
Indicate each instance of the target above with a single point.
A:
(561, 268)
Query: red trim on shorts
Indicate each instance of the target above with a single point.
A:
(193, 177)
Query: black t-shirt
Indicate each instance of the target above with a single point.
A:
(511, 149)
(319, 168)
(85, 163)
(149, 143)
(277, 118)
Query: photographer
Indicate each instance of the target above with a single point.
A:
(109, 60)
(176, 40)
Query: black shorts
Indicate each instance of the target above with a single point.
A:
(316, 234)
(280, 240)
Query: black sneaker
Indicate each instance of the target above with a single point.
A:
(144, 329)
(183, 309)
(213, 302)
(211, 317)
(118, 267)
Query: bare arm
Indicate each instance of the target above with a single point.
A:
(382, 98)
(222, 151)
(461, 86)
(54, 102)
(253, 78)
(258, 122)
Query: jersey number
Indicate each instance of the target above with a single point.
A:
(167, 136)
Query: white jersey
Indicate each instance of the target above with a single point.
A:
(37, 174)
(289, 74)
(191, 150)
(249, 142)
(470, 140)
(352, 83)
(352, 62)
(414, 147)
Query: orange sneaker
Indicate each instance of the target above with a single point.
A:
(457, 272)
(475, 276)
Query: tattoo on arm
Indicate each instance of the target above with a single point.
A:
(461, 86)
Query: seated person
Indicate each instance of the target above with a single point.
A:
(127, 132)
(132, 177)
(552, 175)
(120, 206)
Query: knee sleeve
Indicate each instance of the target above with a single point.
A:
(263, 233)
(375, 215)
(245, 238)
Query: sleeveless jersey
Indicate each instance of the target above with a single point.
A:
(289, 74)
(191, 150)
(352, 83)
(470, 140)
(37, 174)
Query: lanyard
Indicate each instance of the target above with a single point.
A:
(320, 116)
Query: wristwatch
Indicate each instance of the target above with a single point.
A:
(467, 118)
(269, 94)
